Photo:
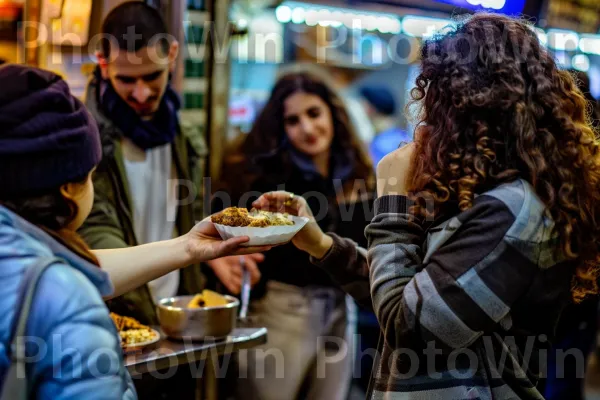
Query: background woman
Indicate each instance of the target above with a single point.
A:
(302, 141)
(485, 227)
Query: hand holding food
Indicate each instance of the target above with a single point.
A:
(203, 243)
(310, 238)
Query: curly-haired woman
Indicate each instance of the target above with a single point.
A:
(485, 227)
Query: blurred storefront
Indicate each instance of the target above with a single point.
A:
(63, 36)
(225, 80)
(377, 42)
(11, 14)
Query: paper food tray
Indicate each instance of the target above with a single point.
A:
(272, 235)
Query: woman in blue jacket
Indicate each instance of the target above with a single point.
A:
(49, 146)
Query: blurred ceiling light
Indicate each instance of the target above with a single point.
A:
(383, 24)
(324, 14)
(336, 18)
(389, 25)
(242, 23)
(541, 36)
(313, 14)
(312, 17)
(354, 21)
(347, 20)
(559, 39)
(581, 62)
(495, 4)
(330, 22)
(396, 26)
(590, 44)
(371, 23)
(423, 26)
(283, 14)
(362, 20)
(327, 18)
(298, 15)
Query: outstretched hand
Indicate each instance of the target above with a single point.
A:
(203, 243)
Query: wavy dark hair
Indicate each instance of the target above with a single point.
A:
(494, 107)
(52, 212)
(268, 133)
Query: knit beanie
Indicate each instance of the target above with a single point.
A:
(47, 136)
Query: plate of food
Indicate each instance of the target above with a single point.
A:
(134, 335)
(264, 228)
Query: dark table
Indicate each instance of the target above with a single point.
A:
(169, 353)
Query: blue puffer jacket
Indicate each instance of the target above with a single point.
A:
(79, 356)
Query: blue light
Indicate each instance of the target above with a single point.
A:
(510, 7)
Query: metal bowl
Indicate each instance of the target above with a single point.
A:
(180, 322)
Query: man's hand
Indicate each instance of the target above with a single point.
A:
(229, 270)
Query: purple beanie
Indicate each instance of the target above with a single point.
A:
(47, 137)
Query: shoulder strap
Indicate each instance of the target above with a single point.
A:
(15, 381)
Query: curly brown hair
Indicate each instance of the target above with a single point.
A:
(495, 107)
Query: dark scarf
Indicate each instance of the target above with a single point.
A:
(158, 131)
(341, 162)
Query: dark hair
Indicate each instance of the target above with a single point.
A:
(52, 212)
(495, 107)
(268, 132)
(147, 22)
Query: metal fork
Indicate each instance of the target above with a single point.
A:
(245, 296)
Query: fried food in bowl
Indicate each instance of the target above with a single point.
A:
(208, 298)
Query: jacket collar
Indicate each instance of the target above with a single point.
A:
(109, 132)
(97, 276)
(340, 164)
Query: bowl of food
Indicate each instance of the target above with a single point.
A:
(264, 228)
(203, 316)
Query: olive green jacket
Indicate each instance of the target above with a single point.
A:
(110, 224)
